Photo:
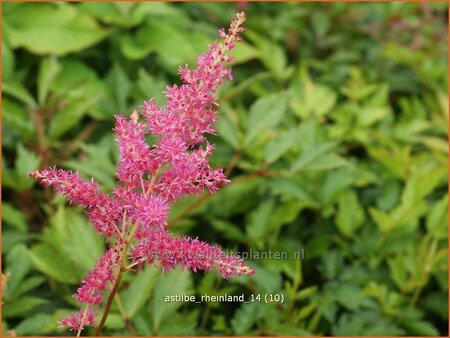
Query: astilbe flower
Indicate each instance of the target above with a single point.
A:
(150, 178)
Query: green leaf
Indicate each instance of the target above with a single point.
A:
(420, 328)
(119, 87)
(228, 131)
(28, 285)
(350, 215)
(281, 144)
(257, 226)
(20, 307)
(85, 245)
(139, 290)
(365, 323)
(308, 98)
(128, 14)
(19, 92)
(245, 317)
(8, 61)
(290, 189)
(270, 53)
(18, 264)
(150, 85)
(264, 114)
(114, 321)
(33, 325)
(171, 283)
(16, 117)
(96, 161)
(53, 264)
(70, 116)
(437, 219)
(48, 70)
(327, 162)
(26, 162)
(56, 29)
(14, 217)
(175, 46)
(310, 156)
(228, 230)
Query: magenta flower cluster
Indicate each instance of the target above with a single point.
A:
(151, 178)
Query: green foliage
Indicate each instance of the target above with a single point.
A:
(334, 130)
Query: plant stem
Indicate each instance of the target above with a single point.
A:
(109, 302)
(116, 285)
(82, 320)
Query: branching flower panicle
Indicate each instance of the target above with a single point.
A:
(150, 179)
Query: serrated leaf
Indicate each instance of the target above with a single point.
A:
(257, 226)
(309, 98)
(33, 325)
(70, 116)
(17, 118)
(139, 290)
(308, 157)
(50, 262)
(350, 214)
(437, 219)
(18, 264)
(14, 217)
(20, 307)
(85, 245)
(245, 317)
(8, 61)
(264, 114)
(48, 70)
(19, 92)
(228, 131)
(281, 144)
(26, 162)
(58, 29)
(171, 283)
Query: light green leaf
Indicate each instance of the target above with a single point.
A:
(19, 92)
(26, 162)
(309, 156)
(309, 98)
(257, 226)
(139, 290)
(7, 61)
(245, 317)
(175, 46)
(85, 245)
(264, 114)
(20, 307)
(171, 283)
(327, 162)
(16, 117)
(350, 214)
(70, 116)
(56, 29)
(48, 70)
(270, 53)
(281, 144)
(437, 219)
(14, 217)
(52, 263)
(18, 264)
(33, 325)
(228, 131)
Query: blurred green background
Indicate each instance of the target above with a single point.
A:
(334, 132)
